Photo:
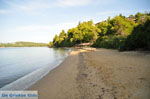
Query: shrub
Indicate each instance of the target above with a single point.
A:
(140, 38)
(114, 42)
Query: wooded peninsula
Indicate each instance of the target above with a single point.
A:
(23, 44)
(119, 32)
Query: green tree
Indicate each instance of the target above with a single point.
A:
(89, 31)
(75, 35)
(104, 27)
(140, 38)
(121, 25)
(119, 32)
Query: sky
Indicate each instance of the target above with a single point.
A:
(40, 20)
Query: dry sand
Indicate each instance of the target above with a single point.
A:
(100, 74)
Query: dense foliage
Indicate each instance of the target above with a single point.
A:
(84, 32)
(23, 44)
(113, 42)
(140, 38)
(120, 32)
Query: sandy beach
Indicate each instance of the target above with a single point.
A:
(99, 74)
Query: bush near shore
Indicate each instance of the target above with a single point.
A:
(120, 32)
(139, 39)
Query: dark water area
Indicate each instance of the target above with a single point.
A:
(17, 63)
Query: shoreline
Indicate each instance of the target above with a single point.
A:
(97, 74)
(28, 80)
(31, 77)
(40, 85)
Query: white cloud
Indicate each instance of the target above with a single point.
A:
(35, 33)
(37, 6)
(46, 28)
(42, 33)
(114, 12)
(28, 6)
(34, 6)
(73, 2)
(3, 11)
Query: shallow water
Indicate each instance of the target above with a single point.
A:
(27, 62)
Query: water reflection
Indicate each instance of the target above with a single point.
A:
(18, 62)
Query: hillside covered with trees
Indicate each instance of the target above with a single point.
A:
(23, 44)
(120, 32)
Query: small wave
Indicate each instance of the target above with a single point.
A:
(30, 79)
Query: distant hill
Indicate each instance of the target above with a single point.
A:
(23, 44)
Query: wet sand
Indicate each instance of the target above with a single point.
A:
(100, 74)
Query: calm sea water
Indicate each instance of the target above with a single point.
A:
(21, 67)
